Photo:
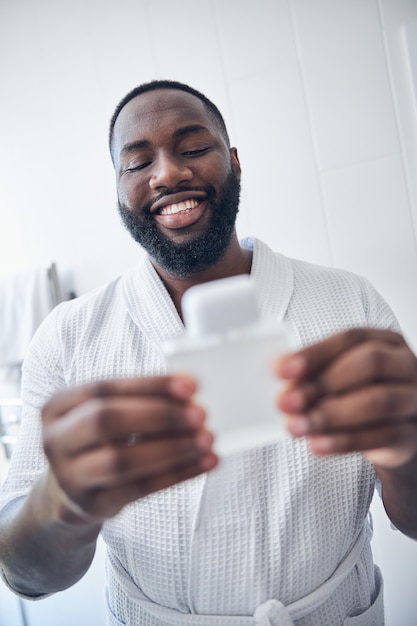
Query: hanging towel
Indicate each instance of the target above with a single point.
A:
(25, 300)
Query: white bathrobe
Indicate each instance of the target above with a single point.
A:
(274, 535)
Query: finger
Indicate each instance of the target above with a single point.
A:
(388, 445)
(360, 365)
(205, 463)
(366, 408)
(180, 387)
(113, 466)
(106, 503)
(370, 361)
(101, 421)
(309, 361)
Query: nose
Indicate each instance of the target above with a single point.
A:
(169, 171)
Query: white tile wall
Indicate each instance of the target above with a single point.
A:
(121, 48)
(395, 18)
(317, 99)
(185, 44)
(347, 81)
(372, 232)
(279, 174)
(262, 39)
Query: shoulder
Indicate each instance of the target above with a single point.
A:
(326, 277)
(308, 277)
(326, 299)
(340, 299)
(91, 303)
(77, 317)
(340, 285)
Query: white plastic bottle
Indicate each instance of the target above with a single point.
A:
(230, 351)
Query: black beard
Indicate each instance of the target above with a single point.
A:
(194, 255)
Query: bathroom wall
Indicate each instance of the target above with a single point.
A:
(320, 101)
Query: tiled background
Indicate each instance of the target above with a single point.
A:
(319, 100)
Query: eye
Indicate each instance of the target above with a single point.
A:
(138, 167)
(196, 152)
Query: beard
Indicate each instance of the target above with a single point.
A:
(181, 259)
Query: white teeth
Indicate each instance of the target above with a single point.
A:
(171, 209)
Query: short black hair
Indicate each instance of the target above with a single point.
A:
(169, 84)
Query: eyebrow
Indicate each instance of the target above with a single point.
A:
(191, 128)
(135, 145)
(180, 132)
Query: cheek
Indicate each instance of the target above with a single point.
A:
(216, 172)
(130, 193)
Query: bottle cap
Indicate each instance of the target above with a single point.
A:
(219, 306)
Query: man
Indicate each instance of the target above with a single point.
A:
(273, 535)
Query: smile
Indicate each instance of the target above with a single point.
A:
(179, 207)
(181, 214)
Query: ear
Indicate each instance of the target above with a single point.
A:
(235, 162)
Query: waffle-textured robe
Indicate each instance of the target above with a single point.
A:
(271, 527)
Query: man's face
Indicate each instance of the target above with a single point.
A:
(177, 181)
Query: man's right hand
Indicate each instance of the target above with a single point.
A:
(112, 442)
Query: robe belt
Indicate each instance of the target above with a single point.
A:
(269, 613)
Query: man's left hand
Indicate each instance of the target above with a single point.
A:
(354, 391)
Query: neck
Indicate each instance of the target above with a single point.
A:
(236, 261)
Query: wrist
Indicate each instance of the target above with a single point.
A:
(64, 510)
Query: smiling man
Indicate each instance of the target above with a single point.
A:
(178, 181)
(109, 443)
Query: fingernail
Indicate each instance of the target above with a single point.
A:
(195, 415)
(292, 401)
(208, 461)
(291, 367)
(298, 425)
(322, 445)
(182, 386)
(204, 440)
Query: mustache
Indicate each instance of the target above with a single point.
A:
(147, 209)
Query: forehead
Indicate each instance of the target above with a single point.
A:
(161, 110)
